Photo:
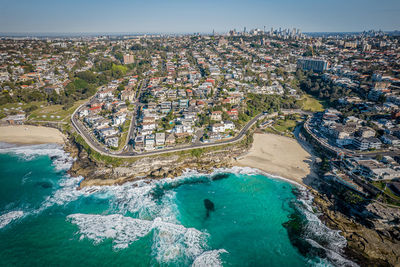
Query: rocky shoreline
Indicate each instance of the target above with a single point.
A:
(373, 237)
(372, 230)
(156, 167)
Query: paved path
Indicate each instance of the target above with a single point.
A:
(95, 145)
(79, 127)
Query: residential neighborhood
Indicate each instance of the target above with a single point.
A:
(132, 95)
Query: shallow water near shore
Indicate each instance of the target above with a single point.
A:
(45, 220)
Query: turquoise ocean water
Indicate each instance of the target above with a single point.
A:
(46, 221)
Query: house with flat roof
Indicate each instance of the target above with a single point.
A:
(160, 139)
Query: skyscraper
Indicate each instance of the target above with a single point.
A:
(314, 64)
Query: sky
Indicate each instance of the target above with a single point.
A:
(188, 16)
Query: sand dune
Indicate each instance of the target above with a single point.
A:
(278, 155)
(27, 134)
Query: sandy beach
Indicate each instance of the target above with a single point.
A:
(280, 156)
(27, 134)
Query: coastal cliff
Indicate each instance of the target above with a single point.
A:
(372, 231)
(96, 172)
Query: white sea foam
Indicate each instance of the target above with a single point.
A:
(26, 177)
(122, 230)
(236, 170)
(170, 241)
(7, 218)
(209, 259)
(189, 173)
(67, 193)
(134, 197)
(333, 257)
(316, 230)
(61, 160)
(319, 235)
(156, 212)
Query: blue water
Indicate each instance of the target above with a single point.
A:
(46, 221)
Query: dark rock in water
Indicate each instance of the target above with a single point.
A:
(220, 176)
(209, 205)
(157, 193)
(54, 157)
(45, 184)
(297, 231)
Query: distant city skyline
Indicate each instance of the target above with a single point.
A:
(179, 16)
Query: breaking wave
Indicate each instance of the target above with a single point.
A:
(61, 160)
(122, 230)
(7, 218)
(67, 193)
(147, 207)
(318, 235)
(209, 259)
(153, 202)
(173, 241)
(170, 241)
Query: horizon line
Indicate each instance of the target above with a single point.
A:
(193, 32)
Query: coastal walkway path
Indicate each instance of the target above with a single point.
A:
(96, 146)
(104, 151)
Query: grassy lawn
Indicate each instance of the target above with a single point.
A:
(379, 184)
(285, 125)
(309, 103)
(387, 192)
(10, 108)
(122, 140)
(270, 130)
(54, 112)
(124, 134)
(390, 193)
(131, 107)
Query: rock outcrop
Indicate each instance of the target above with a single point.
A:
(372, 232)
(154, 167)
(375, 241)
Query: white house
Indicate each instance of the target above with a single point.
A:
(160, 139)
(119, 119)
(107, 132)
(218, 128)
(83, 113)
(229, 125)
(105, 93)
(149, 142)
(148, 126)
(222, 127)
(111, 141)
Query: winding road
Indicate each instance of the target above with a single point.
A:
(95, 145)
(128, 153)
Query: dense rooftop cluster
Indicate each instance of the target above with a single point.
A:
(149, 93)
